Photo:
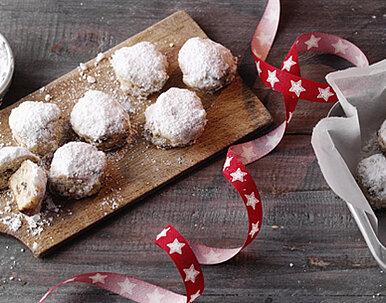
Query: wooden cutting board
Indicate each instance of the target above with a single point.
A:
(138, 168)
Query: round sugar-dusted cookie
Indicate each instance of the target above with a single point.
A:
(100, 120)
(372, 179)
(141, 69)
(176, 119)
(206, 65)
(77, 170)
(382, 137)
(11, 157)
(37, 126)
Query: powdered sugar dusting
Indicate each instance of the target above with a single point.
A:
(372, 172)
(141, 68)
(206, 64)
(34, 122)
(83, 66)
(97, 115)
(10, 153)
(34, 225)
(35, 246)
(37, 178)
(99, 58)
(176, 119)
(11, 157)
(13, 223)
(77, 160)
(32, 221)
(91, 79)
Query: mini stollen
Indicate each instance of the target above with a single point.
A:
(100, 120)
(177, 119)
(37, 126)
(28, 186)
(372, 179)
(141, 69)
(11, 157)
(206, 65)
(77, 170)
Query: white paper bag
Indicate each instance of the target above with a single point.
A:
(338, 141)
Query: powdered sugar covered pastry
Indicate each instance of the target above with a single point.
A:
(100, 120)
(372, 178)
(77, 170)
(141, 69)
(206, 65)
(37, 126)
(176, 119)
(11, 158)
(382, 137)
(28, 186)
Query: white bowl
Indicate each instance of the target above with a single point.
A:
(5, 79)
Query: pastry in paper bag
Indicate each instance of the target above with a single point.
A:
(341, 140)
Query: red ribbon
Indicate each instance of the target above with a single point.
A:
(188, 255)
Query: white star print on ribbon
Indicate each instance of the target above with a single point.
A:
(163, 233)
(287, 64)
(191, 274)
(360, 61)
(263, 39)
(252, 200)
(296, 87)
(312, 42)
(175, 247)
(212, 256)
(258, 68)
(270, 16)
(248, 153)
(126, 287)
(340, 47)
(238, 175)
(272, 79)
(324, 93)
(273, 139)
(255, 229)
(155, 296)
(194, 296)
(290, 114)
(227, 162)
(98, 278)
(256, 54)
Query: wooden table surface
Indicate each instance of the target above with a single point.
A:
(316, 254)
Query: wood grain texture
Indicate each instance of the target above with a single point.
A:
(331, 260)
(138, 168)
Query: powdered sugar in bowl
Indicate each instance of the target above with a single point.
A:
(6, 66)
